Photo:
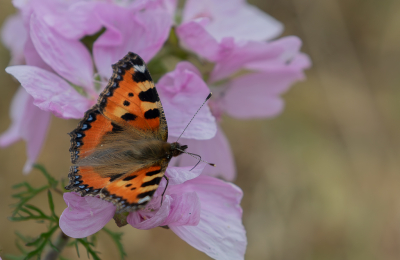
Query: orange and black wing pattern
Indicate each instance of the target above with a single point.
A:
(128, 192)
(84, 140)
(89, 133)
(133, 190)
(131, 99)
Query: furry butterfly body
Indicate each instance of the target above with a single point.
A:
(119, 149)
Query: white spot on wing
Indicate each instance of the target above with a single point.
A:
(147, 198)
(140, 68)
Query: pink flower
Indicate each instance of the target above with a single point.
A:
(13, 35)
(184, 87)
(203, 211)
(250, 74)
(271, 69)
(210, 28)
(28, 123)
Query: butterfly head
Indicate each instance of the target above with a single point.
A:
(176, 149)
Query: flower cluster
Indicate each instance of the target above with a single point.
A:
(242, 65)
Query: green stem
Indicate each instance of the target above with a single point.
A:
(60, 243)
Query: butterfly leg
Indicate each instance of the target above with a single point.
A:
(166, 186)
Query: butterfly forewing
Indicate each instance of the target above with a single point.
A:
(131, 98)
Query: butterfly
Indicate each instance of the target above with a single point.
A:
(119, 149)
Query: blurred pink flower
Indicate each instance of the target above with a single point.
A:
(13, 36)
(250, 74)
(28, 123)
(210, 28)
(203, 211)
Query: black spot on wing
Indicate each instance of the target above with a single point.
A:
(154, 181)
(130, 94)
(144, 194)
(153, 173)
(152, 113)
(126, 103)
(128, 117)
(141, 76)
(149, 95)
(130, 178)
(128, 185)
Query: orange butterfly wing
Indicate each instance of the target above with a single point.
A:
(131, 98)
(133, 190)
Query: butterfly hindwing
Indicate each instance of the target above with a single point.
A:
(86, 180)
(133, 190)
(131, 98)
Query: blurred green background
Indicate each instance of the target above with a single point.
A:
(321, 181)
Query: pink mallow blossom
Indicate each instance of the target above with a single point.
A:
(251, 70)
(203, 211)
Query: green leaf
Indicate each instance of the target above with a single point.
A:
(51, 205)
(88, 246)
(52, 182)
(116, 237)
(89, 40)
(76, 247)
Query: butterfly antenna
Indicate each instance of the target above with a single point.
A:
(198, 158)
(208, 97)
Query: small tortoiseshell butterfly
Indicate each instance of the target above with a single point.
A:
(119, 149)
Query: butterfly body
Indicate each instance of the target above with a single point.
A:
(119, 149)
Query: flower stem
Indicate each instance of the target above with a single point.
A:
(60, 243)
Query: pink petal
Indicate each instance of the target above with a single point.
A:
(33, 58)
(19, 3)
(14, 35)
(50, 92)
(220, 233)
(128, 30)
(185, 210)
(177, 209)
(178, 175)
(69, 58)
(260, 92)
(215, 150)
(182, 92)
(152, 219)
(248, 53)
(29, 123)
(71, 19)
(235, 19)
(193, 36)
(84, 216)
